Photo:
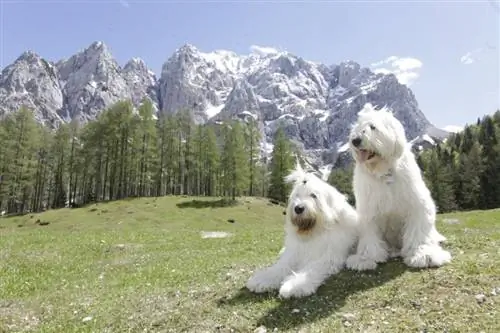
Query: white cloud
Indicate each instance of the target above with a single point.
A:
(406, 69)
(453, 128)
(124, 3)
(467, 59)
(471, 57)
(263, 50)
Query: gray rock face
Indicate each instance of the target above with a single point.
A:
(315, 103)
(76, 88)
(198, 81)
(91, 81)
(141, 81)
(33, 82)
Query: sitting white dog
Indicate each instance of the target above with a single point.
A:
(320, 232)
(396, 211)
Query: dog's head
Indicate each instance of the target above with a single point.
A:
(311, 202)
(377, 135)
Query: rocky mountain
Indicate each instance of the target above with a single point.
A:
(315, 103)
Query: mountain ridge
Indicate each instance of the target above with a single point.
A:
(314, 102)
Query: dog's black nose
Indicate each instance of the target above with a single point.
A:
(299, 209)
(356, 142)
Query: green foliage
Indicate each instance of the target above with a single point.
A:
(252, 140)
(463, 173)
(281, 164)
(127, 153)
(234, 165)
(20, 158)
(440, 180)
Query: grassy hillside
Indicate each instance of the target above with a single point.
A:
(143, 266)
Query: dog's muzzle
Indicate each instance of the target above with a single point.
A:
(363, 154)
(303, 222)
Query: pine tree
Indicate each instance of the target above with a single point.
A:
(148, 137)
(73, 160)
(234, 161)
(60, 153)
(282, 162)
(468, 173)
(440, 182)
(23, 146)
(211, 162)
(252, 138)
(5, 159)
(490, 176)
(44, 172)
(467, 140)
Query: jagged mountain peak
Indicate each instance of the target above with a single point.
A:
(97, 47)
(29, 56)
(138, 65)
(96, 50)
(33, 82)
(187, 48)
(231, 62)
(135, 62)
(222, 60)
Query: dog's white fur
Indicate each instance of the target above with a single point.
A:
(310, 256)
(395, 209)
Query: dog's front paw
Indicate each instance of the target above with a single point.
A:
(360, 263)
(263, 281)
(297, 286)
(428, 256)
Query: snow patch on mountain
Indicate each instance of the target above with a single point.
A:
(427, 138)
(212, 111)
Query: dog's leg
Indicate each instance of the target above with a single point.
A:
(371, 248)
(421, 248)
(271, 277)
(306, 281)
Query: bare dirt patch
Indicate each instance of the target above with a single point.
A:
(17, 317)
(215, 234)
(451, 221)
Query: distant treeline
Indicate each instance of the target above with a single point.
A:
(125, 154)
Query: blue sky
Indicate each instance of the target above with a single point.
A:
(447, 51)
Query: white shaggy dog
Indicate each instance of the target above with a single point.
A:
(395, 209)
(320, 232)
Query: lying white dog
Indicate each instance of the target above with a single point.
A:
(396, 211)
(320, 232)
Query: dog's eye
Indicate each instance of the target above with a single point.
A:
(313, 196)
(372, 127)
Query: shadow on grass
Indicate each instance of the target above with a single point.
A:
(329, 298)
(208, 203)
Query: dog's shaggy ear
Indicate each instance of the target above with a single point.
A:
(330, 198)
(296, 175)
(367, 108)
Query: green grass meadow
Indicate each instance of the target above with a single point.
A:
(143, 265)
